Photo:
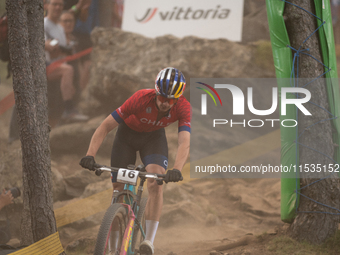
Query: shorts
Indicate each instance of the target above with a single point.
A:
(152, 147)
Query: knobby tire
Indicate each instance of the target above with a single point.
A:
(117, 213)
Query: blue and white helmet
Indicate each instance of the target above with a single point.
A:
(170, 83)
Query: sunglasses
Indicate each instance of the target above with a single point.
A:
(167, 100)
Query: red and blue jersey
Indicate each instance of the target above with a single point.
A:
(140, 112)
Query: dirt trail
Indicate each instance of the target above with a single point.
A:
(240, 208)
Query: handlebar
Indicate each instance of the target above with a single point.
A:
(158, 177)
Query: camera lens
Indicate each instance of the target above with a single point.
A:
(15, 192)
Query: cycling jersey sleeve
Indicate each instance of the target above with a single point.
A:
(184, 116)
(129, 107)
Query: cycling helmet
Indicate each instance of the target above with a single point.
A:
(170, 83)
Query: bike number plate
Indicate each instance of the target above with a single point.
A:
(127, 176)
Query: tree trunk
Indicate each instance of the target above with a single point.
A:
(312, 227)
(26, 41)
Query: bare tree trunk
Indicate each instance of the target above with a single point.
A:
(26, 40)
(312, 227)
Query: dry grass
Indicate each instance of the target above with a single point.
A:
(283, 245)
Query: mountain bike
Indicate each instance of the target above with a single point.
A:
(123, 226)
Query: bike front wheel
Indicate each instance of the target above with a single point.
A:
(111, 231)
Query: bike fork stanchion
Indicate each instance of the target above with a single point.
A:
(128, 231)
(142, 230)
(140, 191)
(114, 196)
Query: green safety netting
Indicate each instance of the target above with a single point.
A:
(283, 61)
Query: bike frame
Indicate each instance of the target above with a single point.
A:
(129, 205)
(126, 248)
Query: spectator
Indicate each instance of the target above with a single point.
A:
(6, 198)
(86, 15)
(117, 13)
(64, 73)
(67, 20)
(80, 8)
(335, 10)
(335, 19)
(55, 43)
(88, 18)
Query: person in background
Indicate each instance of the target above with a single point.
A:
(335, 9)
(117, 13)
(55, 43)
(6, 198)
(64, 73)
(80, 8)
(86, 18)
(82, 68)
(67, 21)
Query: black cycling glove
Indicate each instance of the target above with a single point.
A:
(173, 176)
(88, 162)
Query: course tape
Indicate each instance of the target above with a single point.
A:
(75, 56)
(83, 208)
(9, 101)
(48, 246)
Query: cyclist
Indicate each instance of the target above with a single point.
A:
(141, 121)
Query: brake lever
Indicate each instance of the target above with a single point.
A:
(98, 172)
(141, 168)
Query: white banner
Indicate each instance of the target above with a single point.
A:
(211, 19)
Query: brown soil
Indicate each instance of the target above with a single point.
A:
(238, 226)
